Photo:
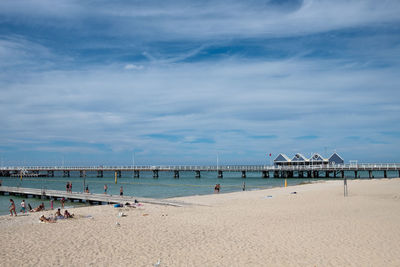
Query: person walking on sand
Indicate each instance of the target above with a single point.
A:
(105, 189)
(23, 206)
(67, 187)
(12, 207)
(62, 202)
(70, 187)
(121, 191)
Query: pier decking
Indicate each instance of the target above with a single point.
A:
(82, 197)
(289, 171)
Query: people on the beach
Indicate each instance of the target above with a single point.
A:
(62, 202)
(68, 215)
(23, 206)
(1, 182)
(244, 186)
(58, 214)
(121, 191)
(39, 208)
(87, 189)
(67, 187)
(12, 208)
(48, 220)
(70, 187)
(105, 189)
(217, 188)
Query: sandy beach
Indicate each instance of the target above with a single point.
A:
(317, 226)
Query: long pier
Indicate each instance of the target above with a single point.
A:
(266, 171)
(82, 197)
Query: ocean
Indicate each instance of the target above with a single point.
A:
(166, 186)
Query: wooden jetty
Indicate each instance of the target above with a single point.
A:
(291, 171)
(82, 197)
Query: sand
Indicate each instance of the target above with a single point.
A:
(315, 227)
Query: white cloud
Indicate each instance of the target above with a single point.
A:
(133, 67)
(210, 19)
(210, 100)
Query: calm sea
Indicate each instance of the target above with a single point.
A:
(146, 186)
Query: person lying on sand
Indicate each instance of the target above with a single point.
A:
(48, 220)
(39, 208)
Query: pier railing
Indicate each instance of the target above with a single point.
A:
(225, 168)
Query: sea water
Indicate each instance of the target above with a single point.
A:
(165, 186)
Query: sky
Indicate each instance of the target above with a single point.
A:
(186, 82)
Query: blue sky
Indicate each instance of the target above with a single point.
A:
(180, 82)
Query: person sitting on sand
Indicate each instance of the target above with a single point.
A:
(48, 220)
(58, 214)
(68, 215)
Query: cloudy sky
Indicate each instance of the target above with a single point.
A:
(180, 82)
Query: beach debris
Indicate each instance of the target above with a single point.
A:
(157, 264)
(293, 193)
(145, 214)
(117, 224)
(121, 214)
(269, 196)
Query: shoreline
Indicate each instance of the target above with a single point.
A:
(174, 198)
(315, 226)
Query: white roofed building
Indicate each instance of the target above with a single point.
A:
(317, 159)
(282, 159)
(335, 159)
(299, 159)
